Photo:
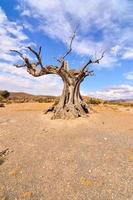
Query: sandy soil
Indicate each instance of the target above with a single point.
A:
(84, 159)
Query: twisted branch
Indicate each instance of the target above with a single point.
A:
(70, 46)
(19, 53)
(32, 66)
(89, 73)
(61, 59)
(93, 61)
(20, 66)
(38, 55)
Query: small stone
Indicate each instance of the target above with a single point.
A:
(86, 182)
(27, 194)
(130, 158)
(14, 172)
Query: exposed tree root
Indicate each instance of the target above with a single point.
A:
(69, 111)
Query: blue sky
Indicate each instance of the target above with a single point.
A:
(50, 23)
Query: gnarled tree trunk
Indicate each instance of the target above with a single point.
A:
(71, 104)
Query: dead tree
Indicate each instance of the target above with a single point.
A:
(71, 104)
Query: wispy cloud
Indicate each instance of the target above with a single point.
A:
(114, 92)
(47, 85)
(102, 24)
(129, 75)
(12, 36)
(128, 54)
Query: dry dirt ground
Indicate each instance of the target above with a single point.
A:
(84, 159)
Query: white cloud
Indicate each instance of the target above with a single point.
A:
(129, 75)
(12, 36)
(23, 11)
(111, 20)
(14, 79)
(128, 54)
(114, 92)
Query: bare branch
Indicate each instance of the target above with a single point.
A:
(93, 61)
(37, 55)
(70, 46)
(88, 63)
(19, 66)
(40, 50)
(20, 54)
(90, 73)
(61, 59)
(25, 59)
(32, 66)
(97, 61)
(27, 63)
(62, 65)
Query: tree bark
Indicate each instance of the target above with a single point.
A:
(71, 104)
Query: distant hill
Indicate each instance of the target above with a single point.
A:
(122, 100)
(28, 96)
(21, 97)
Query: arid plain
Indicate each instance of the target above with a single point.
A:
(88, 158)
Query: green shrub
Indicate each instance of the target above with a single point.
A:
(45, 100)
(94, 101)
(5, 94)
(8, 102)
(1, 99)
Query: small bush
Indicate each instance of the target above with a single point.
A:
(41, 100)
(56, 102)
(48, 100)
(2, 105)
(19, 101)
(1, 99)
(94, 101)
(105, 102)
(5, 94)
(8, 102)
(45, 100)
